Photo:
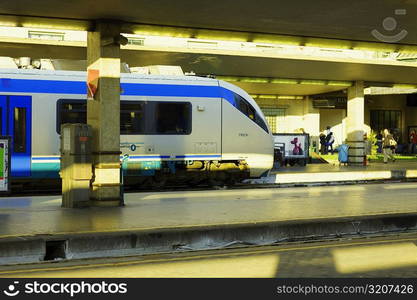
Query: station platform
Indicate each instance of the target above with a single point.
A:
(328, 173)
(194, 220)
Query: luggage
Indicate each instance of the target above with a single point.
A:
(343, 154)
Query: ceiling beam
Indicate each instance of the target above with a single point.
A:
(244, 66)
(203, 33)
(45, 22)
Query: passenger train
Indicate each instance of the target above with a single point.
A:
(175, 129)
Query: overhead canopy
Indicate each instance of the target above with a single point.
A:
(297, 21)
(229, 63)
(337, 23)
(276, 66)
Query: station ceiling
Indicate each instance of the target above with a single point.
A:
(229, 63)
(336, 19)
(336, 23)
(276, 66)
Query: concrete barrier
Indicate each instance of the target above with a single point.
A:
(40, 248)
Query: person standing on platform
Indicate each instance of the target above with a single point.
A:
(368, 148)
(388, 143)
(413, 142)
(322, 144)
(329, 140)
(379, 141)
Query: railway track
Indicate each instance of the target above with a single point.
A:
(56, 190)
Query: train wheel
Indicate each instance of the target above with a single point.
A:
(301, 162)
(215, 183)
(158, 182)
(232, 179)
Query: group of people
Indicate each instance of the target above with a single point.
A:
(385, 142)
(327, 141)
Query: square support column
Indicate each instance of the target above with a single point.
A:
(355, 123)
(103, 112)
(311, 118)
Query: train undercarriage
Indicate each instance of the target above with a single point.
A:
(157, 175)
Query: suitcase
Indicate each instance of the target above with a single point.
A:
(343, 154)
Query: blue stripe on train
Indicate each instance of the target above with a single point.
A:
(46, 158)
(148, 156)
(12, 85)
(131, 156)
(197, 156)
(139, 157)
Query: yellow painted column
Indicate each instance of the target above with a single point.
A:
(355, 122)
(311, 120)
(103, 112)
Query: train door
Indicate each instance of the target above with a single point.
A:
(16, 120)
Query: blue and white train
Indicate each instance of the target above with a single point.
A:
(173, 128)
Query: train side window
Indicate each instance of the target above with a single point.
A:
(136, 117)
(70, 111)
(132, 119)
(19, 128)
(173, 118)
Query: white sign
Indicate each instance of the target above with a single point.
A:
(291, 145)
(67, 139)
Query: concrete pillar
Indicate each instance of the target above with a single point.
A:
(103, 112)
(312, 122)
(355, 122)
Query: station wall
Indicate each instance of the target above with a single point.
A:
(336, 118)
(296, 116)
(300, 114)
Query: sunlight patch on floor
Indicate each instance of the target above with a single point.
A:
(374, 258)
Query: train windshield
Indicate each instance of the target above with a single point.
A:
(248, 110)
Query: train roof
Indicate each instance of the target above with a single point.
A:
(79, 76)
(82, 75)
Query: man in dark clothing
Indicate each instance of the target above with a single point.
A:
(329, 140)
(379, 137)
(323, 148)
(413, 142)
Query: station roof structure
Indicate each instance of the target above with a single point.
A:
(258, 73)
(338, 19)
(338, 24)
